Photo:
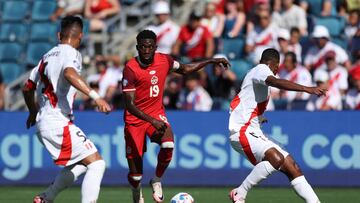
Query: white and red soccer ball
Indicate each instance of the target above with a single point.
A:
(182, 197)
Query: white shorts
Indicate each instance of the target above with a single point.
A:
(67, 145)
(253, 144)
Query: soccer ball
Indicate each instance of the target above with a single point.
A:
(182, 197)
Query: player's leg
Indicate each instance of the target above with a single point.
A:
(135, 146)
(90, 187)
(63, 180)
(166, 142)
(134, 178)
(298, 181)
(255, 146)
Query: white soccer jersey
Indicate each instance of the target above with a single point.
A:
(301, 76)
(248, 106)
(167, 34)
(55, 94)
(338, 77)
(315, 56)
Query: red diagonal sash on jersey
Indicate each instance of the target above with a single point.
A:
(162, 34)
(265, 41)
(331, 83)
(48, 89)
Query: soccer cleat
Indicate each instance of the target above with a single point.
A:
(40, 199)
(235, 198)
(157, 191)
(137, 195)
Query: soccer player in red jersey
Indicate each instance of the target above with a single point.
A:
(143, 86)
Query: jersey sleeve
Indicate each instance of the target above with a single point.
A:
(72, 59)
(33, 78)
(128, 81)
(262, 74)
(173, 64)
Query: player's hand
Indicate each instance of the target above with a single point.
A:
(222, 62)
(31, 120)
(160, 126)
(319, 91)
(103, 106)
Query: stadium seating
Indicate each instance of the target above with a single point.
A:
(44, 32)
(10, 52)
(341, 42)
(17, 32)
(240, 68)
(233, 48)
(334, 24)
(42, 10)
(11, 71)
(35, 51)
(15, 10)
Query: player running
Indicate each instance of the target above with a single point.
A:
(246, 136)
(143, 85)
(56, 79)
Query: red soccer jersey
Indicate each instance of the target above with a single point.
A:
(148, 84)
(195, 41)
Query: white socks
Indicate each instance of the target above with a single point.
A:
(261, 171)
(64, 179)
(304, 190)
(91, 184)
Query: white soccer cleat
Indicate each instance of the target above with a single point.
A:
(157, 191)
(235, 198)
(137, 195)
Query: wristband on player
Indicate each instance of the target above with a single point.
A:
(94, 95)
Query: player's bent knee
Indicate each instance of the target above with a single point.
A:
(99, 166)
(168, 145)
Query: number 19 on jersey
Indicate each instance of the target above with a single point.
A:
(154, 91)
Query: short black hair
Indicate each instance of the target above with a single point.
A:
(294, 29)
(69, 22)
(146, 34)
(270, 54)
(292, 55)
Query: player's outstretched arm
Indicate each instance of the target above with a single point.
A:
(29, 97)
(78, 82)
(288, 85)
(131, 107)
(193, 67)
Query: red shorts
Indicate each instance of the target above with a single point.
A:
(135, 137)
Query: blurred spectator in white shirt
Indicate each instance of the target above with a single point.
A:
(106, 79)
(353, 24)
(294, 43)
(290, 15)
(67, 8)
(294, 72)
(338, 74)
(353, 95)
(315, 56)
(166, 30)
(212, 20)
(264, 35)
(194, 96)
(332, 100)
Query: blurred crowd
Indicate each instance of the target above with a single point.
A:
(281, 24)
(311, 53)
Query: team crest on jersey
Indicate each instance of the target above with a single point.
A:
(152, 72)
(125, 82)
(154, 80)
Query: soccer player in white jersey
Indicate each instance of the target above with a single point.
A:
(246, 136)
(55, 80)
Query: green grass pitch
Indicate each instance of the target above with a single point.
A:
(200, 194)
